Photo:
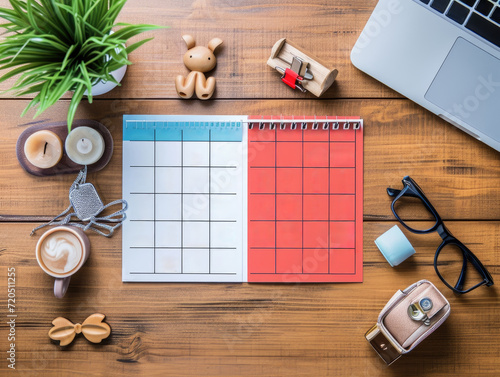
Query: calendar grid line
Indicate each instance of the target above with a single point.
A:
(154, 200)
(183, 273)
(355, 186)
(299, 248)
(302, 200)
(190, 166)
(182, 193)
(300, 167)
(299, 221)
(183, 248)
(309, 141)
(182, 202)
(329, 202)
(191, 141)
(209, 201)
(301, 273)
(185, 221)
(275, 200)
(298, 193)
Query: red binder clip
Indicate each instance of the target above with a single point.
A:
(291, 78)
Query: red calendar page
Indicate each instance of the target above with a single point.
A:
(305, 201)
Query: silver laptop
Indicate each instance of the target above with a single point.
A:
(442, 54)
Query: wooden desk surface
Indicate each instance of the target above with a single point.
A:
(255, 329)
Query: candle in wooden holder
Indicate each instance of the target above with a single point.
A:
(43, 149)
(84, 145)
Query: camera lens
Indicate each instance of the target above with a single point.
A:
(425, 304)
(415, 313)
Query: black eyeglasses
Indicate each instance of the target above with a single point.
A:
(452, 256)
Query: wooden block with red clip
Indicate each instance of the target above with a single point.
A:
(301, 70)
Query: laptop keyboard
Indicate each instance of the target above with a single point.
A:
(481, 17)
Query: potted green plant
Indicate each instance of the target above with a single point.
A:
(56, 46)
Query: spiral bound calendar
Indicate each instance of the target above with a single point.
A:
(238, 198)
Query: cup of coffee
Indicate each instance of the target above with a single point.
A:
(61, 252)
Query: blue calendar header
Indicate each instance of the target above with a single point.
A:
(183, 128)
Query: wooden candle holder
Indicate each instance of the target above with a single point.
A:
(66, 165)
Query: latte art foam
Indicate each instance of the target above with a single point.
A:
(61, 252)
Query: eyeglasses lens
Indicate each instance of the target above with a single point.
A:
(450, 263)
(411, 208)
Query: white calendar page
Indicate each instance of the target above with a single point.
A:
(184, 178)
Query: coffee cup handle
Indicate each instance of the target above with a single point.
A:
(61, 286)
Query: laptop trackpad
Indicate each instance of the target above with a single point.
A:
(468, 87)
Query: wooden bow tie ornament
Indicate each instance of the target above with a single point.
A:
(93, 328)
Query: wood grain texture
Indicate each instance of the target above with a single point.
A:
(249, 29)
(246, 329)
(460, 175)
(254, 329)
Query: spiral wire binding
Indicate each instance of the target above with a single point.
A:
(152, 124)
(324, 124)
(316, 124)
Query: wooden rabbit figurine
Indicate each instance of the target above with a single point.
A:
(198, 59)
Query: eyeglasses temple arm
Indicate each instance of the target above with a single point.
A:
(478, 265)
(461, 279)
(394, 192)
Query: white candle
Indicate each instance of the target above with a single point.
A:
(43, 149)
(84, 145)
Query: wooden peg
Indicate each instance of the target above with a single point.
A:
(282, 58)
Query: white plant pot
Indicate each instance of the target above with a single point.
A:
(103, 87)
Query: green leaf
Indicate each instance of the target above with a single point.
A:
(86, 81)
(55, 46)
(136, 45)
(75, 101)
(130, 31)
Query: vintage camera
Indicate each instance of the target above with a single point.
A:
(408, 318)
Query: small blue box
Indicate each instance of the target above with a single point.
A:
(394, 246)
